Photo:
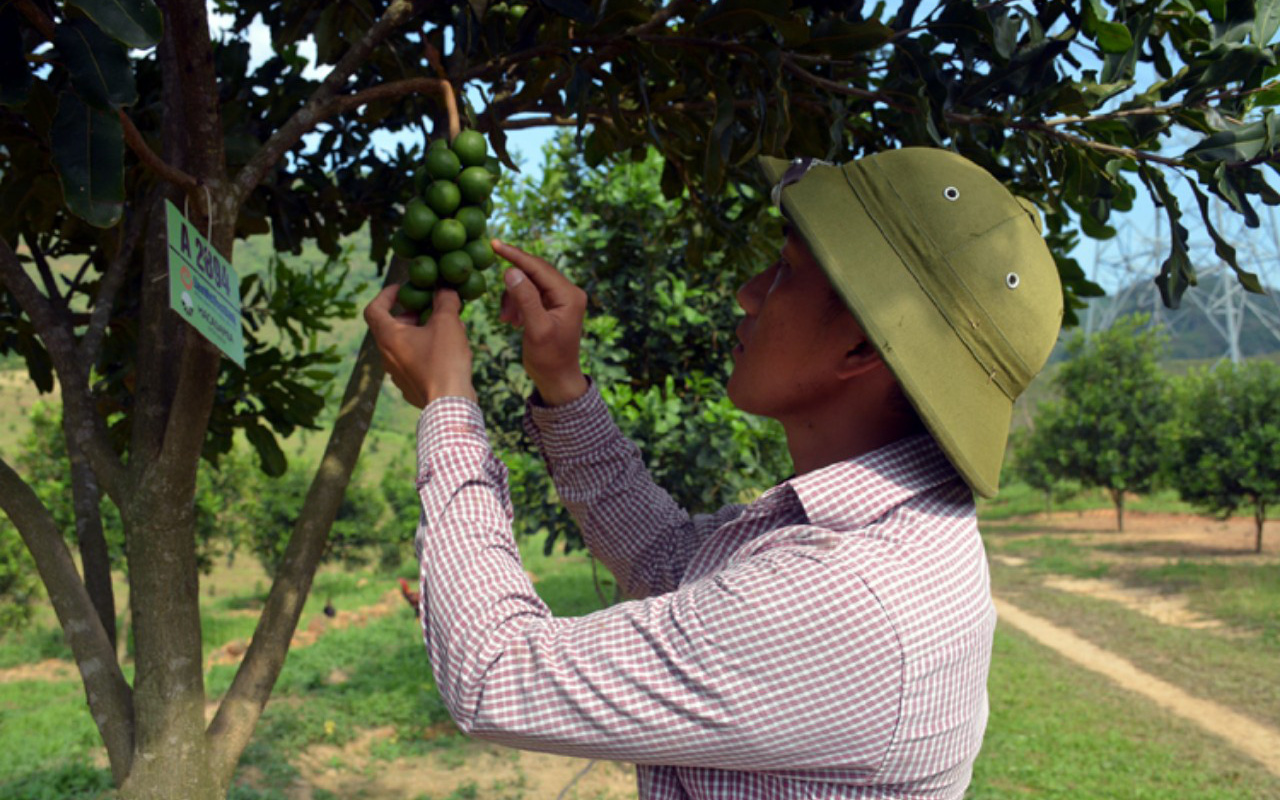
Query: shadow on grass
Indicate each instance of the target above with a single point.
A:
(65, 782)
(1173, 549)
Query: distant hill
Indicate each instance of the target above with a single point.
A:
(1192, 332)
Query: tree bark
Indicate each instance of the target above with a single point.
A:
(106, 690)
(1259, 517)
(170, 754)
(238, 714)
(95, 560)
(1117, 497)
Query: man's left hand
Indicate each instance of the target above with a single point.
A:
(426, 362)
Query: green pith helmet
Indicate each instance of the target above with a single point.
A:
(949, 276)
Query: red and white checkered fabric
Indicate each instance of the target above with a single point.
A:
(830, 640)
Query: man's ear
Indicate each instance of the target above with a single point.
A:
(859, 360)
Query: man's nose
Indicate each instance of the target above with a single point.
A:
(751, 293)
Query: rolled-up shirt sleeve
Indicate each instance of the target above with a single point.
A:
(736, 670)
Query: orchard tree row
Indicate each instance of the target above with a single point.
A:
(1122, 423)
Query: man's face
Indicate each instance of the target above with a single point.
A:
(793, 338)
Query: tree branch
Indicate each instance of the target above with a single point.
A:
(36, 17)
(140, 148)
(59, 340)
(385, 91)
(241, 707)
(109, 696)
(305, 119)
(46, 274)
(837, 87)
(1102, 147)
(112, 279)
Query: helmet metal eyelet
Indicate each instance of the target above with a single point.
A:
(951, 193)
(1012, 280)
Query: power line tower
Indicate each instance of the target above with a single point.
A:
(1127, 264)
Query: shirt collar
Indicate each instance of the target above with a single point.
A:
(852, 494)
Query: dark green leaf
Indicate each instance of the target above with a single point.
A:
(88, 152)
(741, 17)
(1120, 66)
(15, 73)
(1004, 32)
(1223, 248)
(137, 23)
(1228, 186)
(599, 146)
(1113, 37)
(39, 365)
(99, 65)
(1240, 143)
(843, 39)
(1177, 272)
(573, 9)
(1228, 63)
(271, 458)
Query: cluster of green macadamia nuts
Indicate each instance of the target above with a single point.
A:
(444, 231)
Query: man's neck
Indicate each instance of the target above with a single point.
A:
(814, 445)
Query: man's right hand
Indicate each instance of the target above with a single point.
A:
(550, 309)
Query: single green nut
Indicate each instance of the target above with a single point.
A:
(438, 144)
(418, 221)
(455, 267)
(443, 197)
(402, 245)
(473, 219)
(471, 148)
(474, 286)
(475, 184)
(413, 299)
(481, 253)
(424, 272)
(442, 164)
(448, 235)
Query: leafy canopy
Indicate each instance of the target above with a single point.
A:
(1224, 442)
(1104, 428)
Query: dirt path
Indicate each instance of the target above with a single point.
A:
(1153, 538)
(1258, 741)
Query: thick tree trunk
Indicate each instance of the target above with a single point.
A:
(1259, 517)
(170, 750)
(1117, 497)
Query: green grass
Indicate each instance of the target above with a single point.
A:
(1056, 554)
(43, 726)
(1057, 732)
(1020, 500)
(1243, 595)
(1234, 669)
(31, 645)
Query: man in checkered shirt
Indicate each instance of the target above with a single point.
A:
(830, 640)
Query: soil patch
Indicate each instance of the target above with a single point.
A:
(1167, 609)
(461, 767)
(1153, 535)
(52, 669)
